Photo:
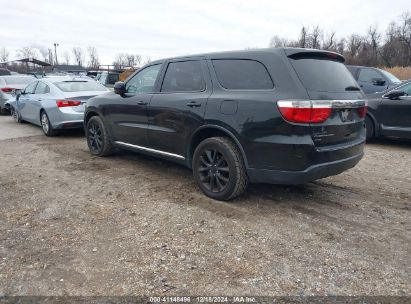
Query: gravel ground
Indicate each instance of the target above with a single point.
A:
(73, 224)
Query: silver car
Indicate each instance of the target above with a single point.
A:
(55, 103)
(8, 85)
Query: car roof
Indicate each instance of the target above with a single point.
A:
(250, 52)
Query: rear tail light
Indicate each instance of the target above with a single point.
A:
(67, 103)
(7, 90)
(362, 111)
(305, 111)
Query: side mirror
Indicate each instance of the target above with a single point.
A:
(120, 88)
(378, 81)
(395, 94)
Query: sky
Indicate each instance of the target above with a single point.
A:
(166, 28)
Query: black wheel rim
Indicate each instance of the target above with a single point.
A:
(213, 170)
(95, 137)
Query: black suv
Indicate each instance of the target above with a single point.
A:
(283, 116)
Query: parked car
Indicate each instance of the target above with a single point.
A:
(372, 80)
(55, 103)
(389, 113)
(8, 84)
(282, 116)
(108, 79)
(4, 72)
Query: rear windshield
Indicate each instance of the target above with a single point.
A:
(323, 75)
(18, 79)
(79, 86)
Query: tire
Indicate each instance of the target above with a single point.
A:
(98, 138)
(16, 116)
(369, 125)
(4, 111)
(218, 168)
(46, 126)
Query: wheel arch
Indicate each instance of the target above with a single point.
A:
(375, 122)
(208, 131)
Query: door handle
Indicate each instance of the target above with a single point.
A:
(142, 103)
(193, 104)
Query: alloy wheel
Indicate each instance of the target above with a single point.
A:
(95, 137)
(45, 123)
(213, 170)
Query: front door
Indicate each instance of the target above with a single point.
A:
(395, 115)
(128, 113)
(178, 109)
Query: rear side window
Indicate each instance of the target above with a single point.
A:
(240, 74)
(368, 75)
(323, 75)
(183, 76)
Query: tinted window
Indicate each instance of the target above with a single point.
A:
(237, 74)
(323, 75)
(368, 74)
(144, 80)
(406, 88)
(113, 78)
(30, 88)
(183, 76)
(80, 86)
(42, 88)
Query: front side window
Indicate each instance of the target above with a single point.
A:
(30, 88)
(241, 74)
(183, 76)
(367, 75)
(42, 88)
(144, 80)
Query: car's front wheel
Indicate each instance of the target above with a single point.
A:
(218, 168)
(16, 115)
(98, 138)
(369, 125)
(48, 129)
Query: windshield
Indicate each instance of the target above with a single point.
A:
(79, 86)
(391, 77)
(323, 75)
(19, 79)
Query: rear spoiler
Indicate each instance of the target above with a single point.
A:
(313, 54)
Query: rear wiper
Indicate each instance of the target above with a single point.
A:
(352, 88)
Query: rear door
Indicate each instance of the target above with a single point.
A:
(330, 85)
(178, 109)
(395, 115)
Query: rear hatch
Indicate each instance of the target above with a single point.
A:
(333, 93)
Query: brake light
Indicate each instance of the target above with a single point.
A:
(304, 111)
(7, 90)
(67, 103)
(362, 111)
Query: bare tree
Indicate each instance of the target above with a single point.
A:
(78, 55)
(315, 38)
(66, 57)
(328, 42)
(93, 57)
(303, 37)
(4, 55)
(278, 41)
(27, 52)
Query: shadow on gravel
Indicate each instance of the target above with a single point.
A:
(401, 143)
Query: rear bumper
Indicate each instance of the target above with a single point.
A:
(313, 172)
